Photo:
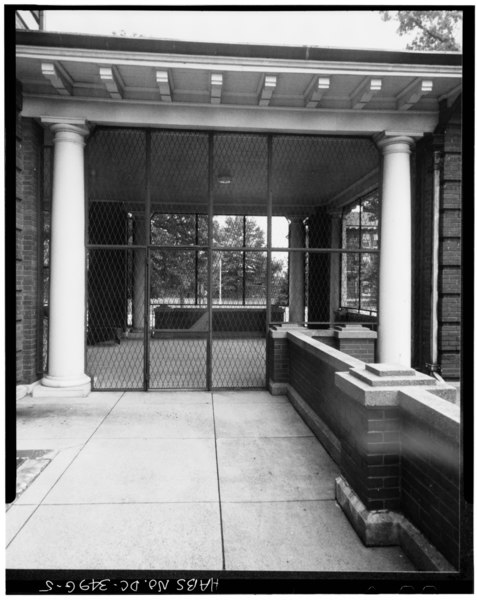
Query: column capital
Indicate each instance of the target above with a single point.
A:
(67, 129)
(396, 141)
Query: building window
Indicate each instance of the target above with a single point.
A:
(359, 270)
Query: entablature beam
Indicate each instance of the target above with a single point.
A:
(229, 118)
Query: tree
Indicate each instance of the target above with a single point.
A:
(179, 275)
(242, 273)
(174, 271)
(433, 29)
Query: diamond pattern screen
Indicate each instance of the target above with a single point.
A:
(115, 318)
(198, 241)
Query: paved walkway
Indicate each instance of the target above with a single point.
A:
(180, 480)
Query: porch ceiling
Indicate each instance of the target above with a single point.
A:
(305, 171)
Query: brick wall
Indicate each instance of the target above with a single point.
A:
(278, 363)
(363, 349)
(314, 381)
(370, 454)
(369, 458)
(400, 454)
(446, 140)
(430, 483)
(29, 175)
(449, 314)
(277, 359)
(19, 237)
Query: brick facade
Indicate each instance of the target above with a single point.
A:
(370, 442)
(277, 359)
(446, 141)
(450, 242)
(430, 484)
(364, 349)
(19, 237)
(29, 142)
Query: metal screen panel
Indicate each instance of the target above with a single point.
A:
(116, 168)
(198, 241)
(239, 319)
(179, 172)
(178, 277)
(115, 349)
(239, 270)
(116, 160)
(179, 317)
(308, 171)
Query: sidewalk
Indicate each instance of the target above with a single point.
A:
(181, 480)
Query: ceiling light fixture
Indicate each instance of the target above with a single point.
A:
(225, 179)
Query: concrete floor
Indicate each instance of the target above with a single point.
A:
(178, 363)
(181, 480)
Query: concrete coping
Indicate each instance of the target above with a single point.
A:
(354, 332)
(437, 413)
(322, 333)
(281, 331)
(332, 357)
(369, 389)
(379, 375)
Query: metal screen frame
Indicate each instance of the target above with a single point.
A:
(210, 248)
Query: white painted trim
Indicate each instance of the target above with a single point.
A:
(228, 118)
(60, 81)
(211, 63)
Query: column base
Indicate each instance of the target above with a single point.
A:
(78, 387)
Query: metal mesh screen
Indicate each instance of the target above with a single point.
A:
(116, 162)
(179, 172)
(239, 271)
(240, 172)
(115, 349)
(180, 319)
(277, 250)
(239, 318)
(309, 171)
(178, 287)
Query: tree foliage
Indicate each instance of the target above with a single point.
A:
(180, 274)
(433, 29)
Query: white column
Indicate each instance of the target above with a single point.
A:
(139, 275)
(394, 336)
(66, 341)
(296, 275)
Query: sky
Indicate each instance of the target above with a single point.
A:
(304, 27)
